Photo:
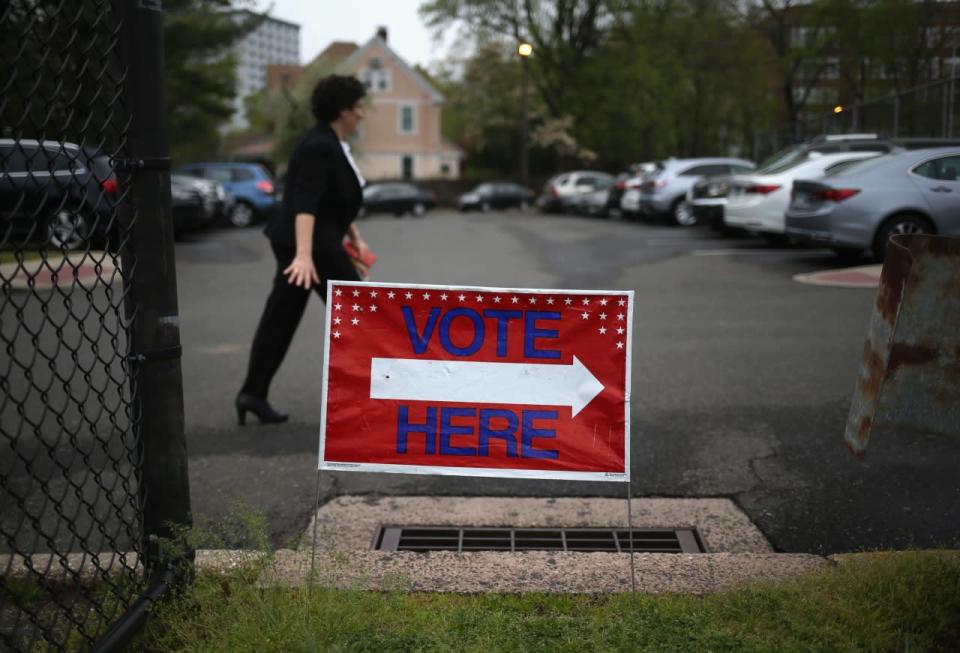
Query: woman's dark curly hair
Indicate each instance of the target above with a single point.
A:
(333, 94)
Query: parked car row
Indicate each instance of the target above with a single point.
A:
(67, 196)
(850, 192)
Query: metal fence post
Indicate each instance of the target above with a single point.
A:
(154, 331)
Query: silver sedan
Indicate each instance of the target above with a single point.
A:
(860, 207)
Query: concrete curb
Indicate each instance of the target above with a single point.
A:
(86, 269)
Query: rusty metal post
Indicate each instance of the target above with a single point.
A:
(910, 374)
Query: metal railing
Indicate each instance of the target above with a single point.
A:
(930, 110)
(92, 453)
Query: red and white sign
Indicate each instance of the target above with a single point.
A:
(477, 381)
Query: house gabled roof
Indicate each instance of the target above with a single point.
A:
(421, 81)
(336, 52)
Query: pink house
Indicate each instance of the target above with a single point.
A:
(400, 137)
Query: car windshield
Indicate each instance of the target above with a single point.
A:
(483, 189)
(858, 166)
(782, 160)
(784, 165)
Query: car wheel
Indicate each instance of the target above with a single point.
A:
(419, 209)
(682, 214)
(902, 224)
(485, 207)
(241, 215)
(68, 230)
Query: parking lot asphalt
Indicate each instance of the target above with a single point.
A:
(742, 378)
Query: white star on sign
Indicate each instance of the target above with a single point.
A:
(443, 296)
(355, 321)
(356, 307)
(496, 300)
(514, 299)
(585, 301)
(603, 302)
(337, 292)
(337, 320)
(391, 295)
(373, 308)
(585, 315)
(336, 307)
(336, 334)
(533, 300)
(602, 330)
(619, 316)
(603, 316)
(619, 345)
(426, 295)
(462, 297)
(356, 293)
(373, 293)
(567, 301)
(479, 298)
(550, 300)
(621, 302)
(620, 331)
(409, 295)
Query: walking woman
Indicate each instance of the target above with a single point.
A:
(321, 199)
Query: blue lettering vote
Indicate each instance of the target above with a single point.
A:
(532, 332)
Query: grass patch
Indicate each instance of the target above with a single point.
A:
(887, 602)
(13, 257)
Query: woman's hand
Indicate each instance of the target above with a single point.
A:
(301, 272)
(362, 247)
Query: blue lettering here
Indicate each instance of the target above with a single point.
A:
(419, 342)
(481, 429)
(507, 434)
(531, 333)
(448, 430)
(428, 429)
(479, 331)
(529, 433)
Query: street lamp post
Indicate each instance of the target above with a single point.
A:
(524, 50)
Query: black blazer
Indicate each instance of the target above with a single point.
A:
(319, 181)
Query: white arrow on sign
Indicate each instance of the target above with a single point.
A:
(485, 383)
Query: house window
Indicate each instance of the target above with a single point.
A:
(375, 77)
(407, 166)
(408, 119)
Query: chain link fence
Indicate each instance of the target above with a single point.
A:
(930, 110)
(81, 209)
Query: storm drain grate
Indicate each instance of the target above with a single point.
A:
(613, 540)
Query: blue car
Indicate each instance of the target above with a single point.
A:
(249, 183)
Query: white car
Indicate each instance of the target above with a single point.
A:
(758, 202)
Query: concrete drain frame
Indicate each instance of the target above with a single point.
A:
(348, 525)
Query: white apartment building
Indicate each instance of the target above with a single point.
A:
(274, 41)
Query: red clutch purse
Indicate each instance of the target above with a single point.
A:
(361, 263)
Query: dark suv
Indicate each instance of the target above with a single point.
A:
(56, 194)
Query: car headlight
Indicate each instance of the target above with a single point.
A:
(470, 197)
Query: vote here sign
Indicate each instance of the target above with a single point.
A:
(477, 381)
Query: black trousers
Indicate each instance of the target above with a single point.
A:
(283, 311)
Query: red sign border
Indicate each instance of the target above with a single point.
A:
(475, 471)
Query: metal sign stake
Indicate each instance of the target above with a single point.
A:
(633, 568)
(316, 518)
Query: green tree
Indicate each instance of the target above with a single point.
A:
(200, 78)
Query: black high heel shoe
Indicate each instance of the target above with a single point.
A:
(259, 407)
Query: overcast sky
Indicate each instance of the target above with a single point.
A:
(324, 21)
